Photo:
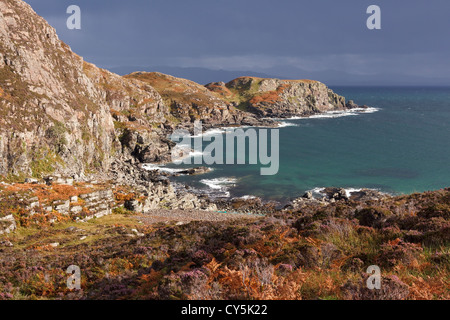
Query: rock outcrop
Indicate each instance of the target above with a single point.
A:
(279, 98)
(7, 224)
(57, 110)
(61, 114)
(331, 195)
(42, 203)
(189, 101)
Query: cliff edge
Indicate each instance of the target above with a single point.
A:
(62, 114)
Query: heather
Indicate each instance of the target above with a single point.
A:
(316, 252)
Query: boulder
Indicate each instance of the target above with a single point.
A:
(308, 195)
(7, 224)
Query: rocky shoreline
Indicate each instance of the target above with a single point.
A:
(168, 253)
(130, 188)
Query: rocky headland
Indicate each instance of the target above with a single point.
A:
(64, 116)
(73, 138)
(61, 114)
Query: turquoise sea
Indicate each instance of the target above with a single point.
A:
(404, 147)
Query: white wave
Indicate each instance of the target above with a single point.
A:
(211, 132)
(367, 110)
(332, 115)
(150, 167)
(219, 183)
(195, 153)
(247, 197)
(284, 124)
(349, 191)
(182, 152)
(225, 129)
(336, 114)
(317, 192)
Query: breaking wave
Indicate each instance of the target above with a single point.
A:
(337, 114)
(219, 187)
(150, 166)
(287, 124)
(219, 183)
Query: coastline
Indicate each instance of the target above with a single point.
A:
(159, 191)
(218, 187)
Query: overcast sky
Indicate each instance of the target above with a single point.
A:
(327, 38)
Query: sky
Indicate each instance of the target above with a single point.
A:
(323, 39)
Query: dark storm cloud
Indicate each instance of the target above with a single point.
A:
(262, 35)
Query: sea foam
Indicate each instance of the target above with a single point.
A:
(219, 183)
(337, 114)
(150, 166)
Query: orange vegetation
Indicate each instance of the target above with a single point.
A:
(270, 96)
(49, 193)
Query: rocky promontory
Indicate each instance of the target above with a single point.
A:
(280, 98)
(63, 115)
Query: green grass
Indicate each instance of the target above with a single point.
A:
(122, 211)
(94, 229)
(45, 164)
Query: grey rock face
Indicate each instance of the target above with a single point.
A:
(62, 206)
(7, 224)
(62, 105)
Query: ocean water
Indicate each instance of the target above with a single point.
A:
(404, 147)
